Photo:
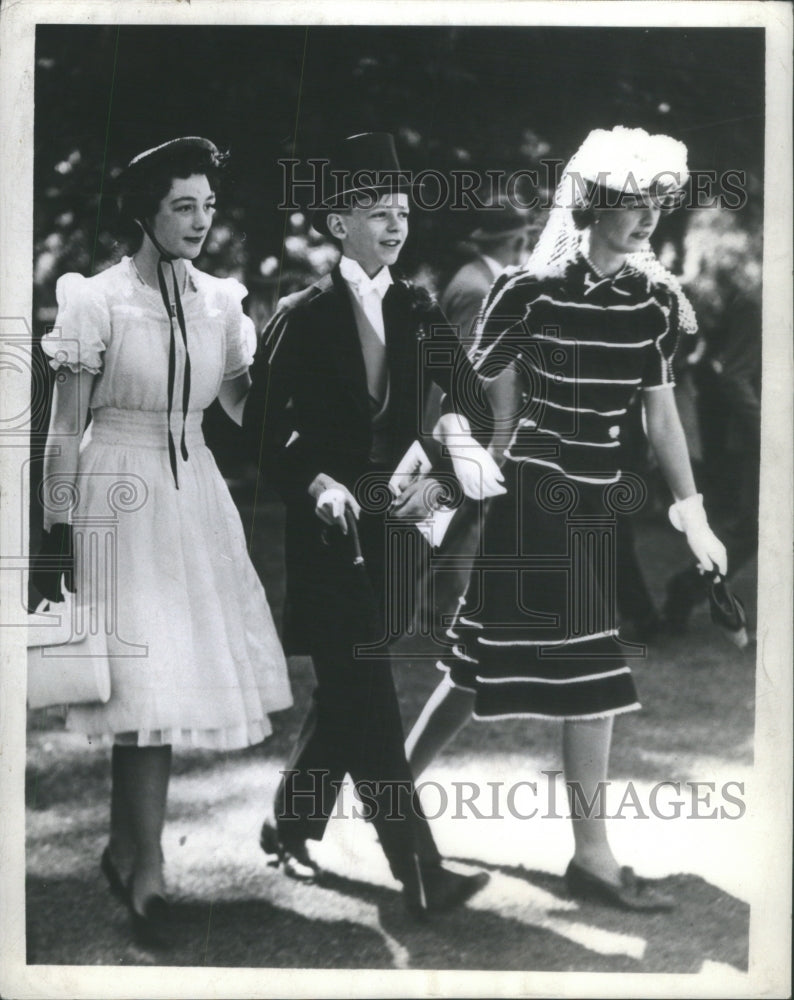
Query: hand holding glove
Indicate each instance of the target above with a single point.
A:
(478, 474)
(55, 560)
(689, 517)
(477, 471)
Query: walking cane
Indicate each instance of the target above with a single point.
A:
(352, 530)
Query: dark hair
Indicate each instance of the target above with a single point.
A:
(583, 217)
(144, 186)
(599, 196)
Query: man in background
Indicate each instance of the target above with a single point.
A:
(498, 240)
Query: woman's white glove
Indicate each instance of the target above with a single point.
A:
(689, 517)
(478, 474)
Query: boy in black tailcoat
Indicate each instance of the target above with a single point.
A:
(339, 384)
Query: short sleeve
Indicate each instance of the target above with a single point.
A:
(503, 325)
(658, 372)
(82, 326)
(240, 332)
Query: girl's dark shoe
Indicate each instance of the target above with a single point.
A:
(633, 893)
(293, 855)
(114, 879)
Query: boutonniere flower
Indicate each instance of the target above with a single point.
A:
(422, 305)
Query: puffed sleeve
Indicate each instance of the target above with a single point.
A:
(503, 327)
(82, 326)
(240, 332)
(658, 372)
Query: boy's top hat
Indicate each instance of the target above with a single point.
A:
(361, 164)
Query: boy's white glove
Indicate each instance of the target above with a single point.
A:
(689, 517)
(331, 500)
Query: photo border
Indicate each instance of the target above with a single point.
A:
(769, 800)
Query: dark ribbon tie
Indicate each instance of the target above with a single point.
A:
(180, 318)
(174, 311)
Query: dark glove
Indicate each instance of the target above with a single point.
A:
(55, 559)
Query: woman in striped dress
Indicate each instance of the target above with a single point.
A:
(565, 345)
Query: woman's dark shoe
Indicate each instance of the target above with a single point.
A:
(114, 879)
(436, 889)
(152, 928)
(292, 854)
(633, 893)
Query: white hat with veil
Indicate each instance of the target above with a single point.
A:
(626, 162)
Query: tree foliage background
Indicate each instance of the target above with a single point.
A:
(481, 98)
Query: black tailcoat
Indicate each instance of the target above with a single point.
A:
(308, 412)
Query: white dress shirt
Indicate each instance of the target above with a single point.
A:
(368, 292)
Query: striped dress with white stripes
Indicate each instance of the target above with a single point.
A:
(536, 635)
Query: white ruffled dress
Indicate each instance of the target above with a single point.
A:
(193, 651)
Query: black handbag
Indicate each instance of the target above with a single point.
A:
(727, 611)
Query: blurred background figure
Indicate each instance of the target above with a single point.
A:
(639, 619)
(727, 376)
(499, 240)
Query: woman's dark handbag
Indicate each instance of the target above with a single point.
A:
(727, 611)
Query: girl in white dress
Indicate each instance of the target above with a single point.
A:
(159, 550)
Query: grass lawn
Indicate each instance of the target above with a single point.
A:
(696, 726)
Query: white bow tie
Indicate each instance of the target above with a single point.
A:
(366, 285)
(358, 279)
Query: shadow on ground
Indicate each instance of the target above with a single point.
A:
(697, 693)
(708, 924)
(90, 928)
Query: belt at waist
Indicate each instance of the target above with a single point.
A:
(142, 428)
